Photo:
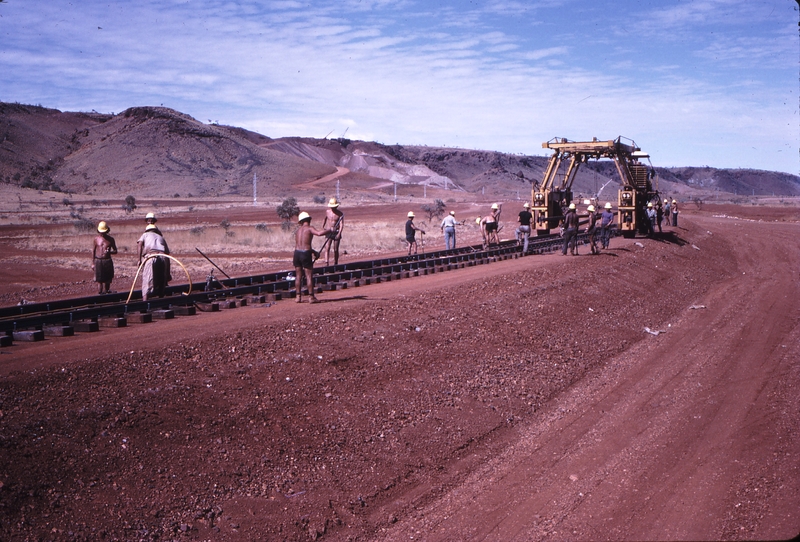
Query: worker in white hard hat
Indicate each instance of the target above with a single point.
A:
(592, 229)
(411, 231)
(103, 247)
(150, 220)
(606, 225)
(667, 211)
(156, 272)
(334, 221)
(674, 207)
(524, 229)
(492, 224)
(448, 228)
(303, 259)
(652, 216)
(659, 214)
(570, 225)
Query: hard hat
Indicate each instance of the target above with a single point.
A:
(333, 203)
(303, 216)
(411, 214)
(453, 213)
(150, 227)
(590, 208)
(478, 220)
(102, 227)
(494, 206)
(572, 206)
(673, 201)
(666, 201)
(526, 206)
(150, 216)
(649, 203)
(608, 205)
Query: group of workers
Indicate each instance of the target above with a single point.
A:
(154, 259)
(656, 214)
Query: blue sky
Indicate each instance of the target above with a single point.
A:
(693, 82)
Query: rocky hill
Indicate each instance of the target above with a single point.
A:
(159, 152)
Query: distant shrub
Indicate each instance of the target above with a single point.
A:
(176, 195)
(225, 224)
(288, 209)
(130, 204)
(261, 227)
(319, 199)
(197, 230)
(434, 210)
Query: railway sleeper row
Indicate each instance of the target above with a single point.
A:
(64, 318)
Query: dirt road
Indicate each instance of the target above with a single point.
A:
(690, 435)
(522, 400)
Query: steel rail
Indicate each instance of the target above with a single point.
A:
(66, 312)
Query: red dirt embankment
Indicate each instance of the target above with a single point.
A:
(521, 400)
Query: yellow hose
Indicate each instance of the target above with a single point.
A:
(135, 278)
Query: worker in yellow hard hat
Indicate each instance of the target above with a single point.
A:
(334, 221)
(103, 247)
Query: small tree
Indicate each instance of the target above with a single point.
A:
(130, 204)
(434, 210)
(287, 210)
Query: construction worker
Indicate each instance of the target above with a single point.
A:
(667, 212)
(606, 223)
(592, 229)
(674, 214)
(524, 230)
(303, 259)
(411, 230)
(156, 269)
(570, 224)
(334, 219)
(448, 228)
(651, 218)
(492, 223)
(103, 247)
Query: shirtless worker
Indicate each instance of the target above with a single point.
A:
(492, 223)
(304, 257)
(334, 219)
(103, 247)
(570, 224)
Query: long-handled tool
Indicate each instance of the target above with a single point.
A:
(212, 263)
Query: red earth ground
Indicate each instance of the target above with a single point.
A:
(521, 400)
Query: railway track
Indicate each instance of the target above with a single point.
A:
(60, 318)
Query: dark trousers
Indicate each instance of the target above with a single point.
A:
(570, 240)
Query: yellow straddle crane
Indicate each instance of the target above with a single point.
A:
(551, 197)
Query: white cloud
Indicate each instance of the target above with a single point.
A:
(417, 73)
